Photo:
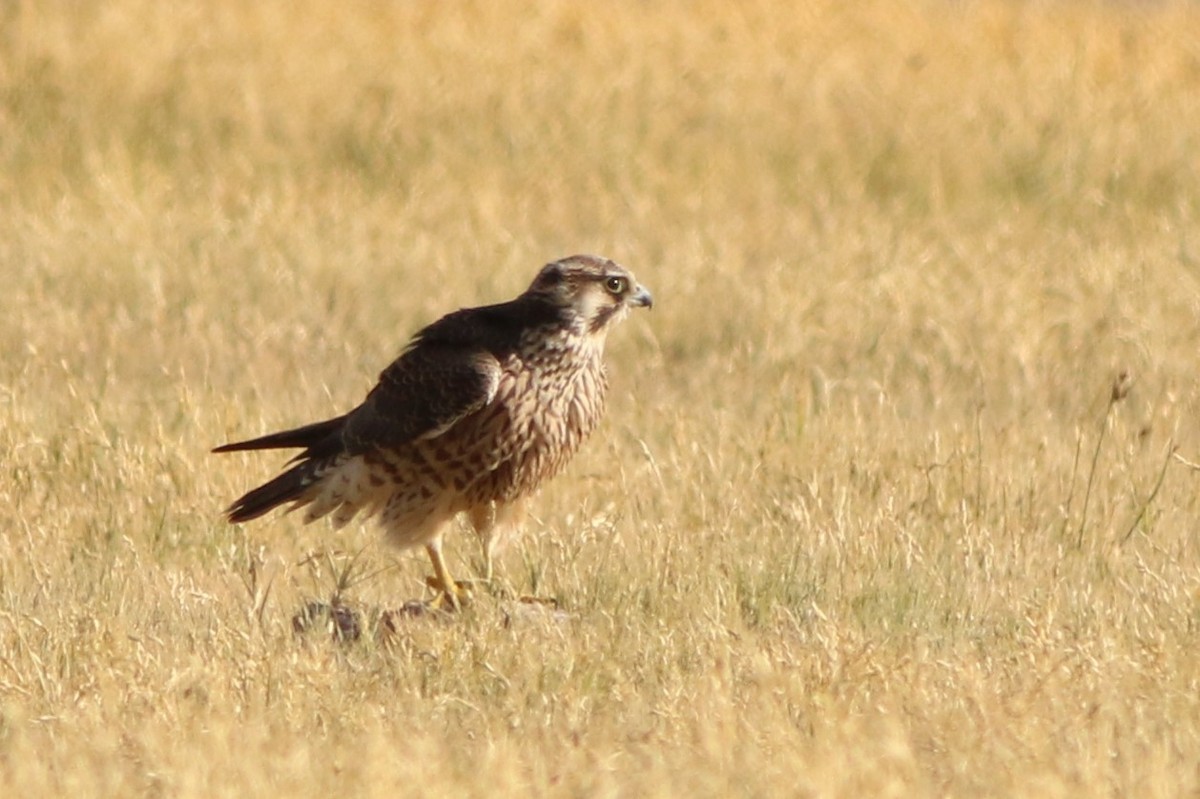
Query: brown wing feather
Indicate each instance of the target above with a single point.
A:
(423, 393)
(450, 370)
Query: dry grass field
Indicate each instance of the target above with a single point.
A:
(897, 494)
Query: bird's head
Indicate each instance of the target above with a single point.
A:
(593, 292)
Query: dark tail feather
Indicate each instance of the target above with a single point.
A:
(320, 441)
(310, 437)
(287, 487)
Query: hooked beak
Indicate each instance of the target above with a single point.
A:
(642, 298)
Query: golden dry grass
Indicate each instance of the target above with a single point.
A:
(862, 520)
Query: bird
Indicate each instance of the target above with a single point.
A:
(480, 409)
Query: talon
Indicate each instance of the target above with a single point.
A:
(453, 593)
(452, 599)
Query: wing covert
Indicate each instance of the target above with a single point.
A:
(421, 395)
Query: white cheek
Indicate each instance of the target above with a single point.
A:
(589, 304)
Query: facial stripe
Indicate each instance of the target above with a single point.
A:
(601, 318)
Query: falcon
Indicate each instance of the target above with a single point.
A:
(479, 409)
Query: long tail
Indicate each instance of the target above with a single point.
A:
(287, 487)
(309, 436)
(321, 442)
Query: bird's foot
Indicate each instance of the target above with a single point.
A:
(450, 598)
(464, 592)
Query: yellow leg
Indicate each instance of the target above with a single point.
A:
(487, 565)
(495, 524)
(483, 519)
(452, 594)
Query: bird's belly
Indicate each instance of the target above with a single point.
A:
(537, 432)
(498, 454)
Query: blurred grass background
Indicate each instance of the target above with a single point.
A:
(864, 517)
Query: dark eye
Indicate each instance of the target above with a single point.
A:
(615, 285)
